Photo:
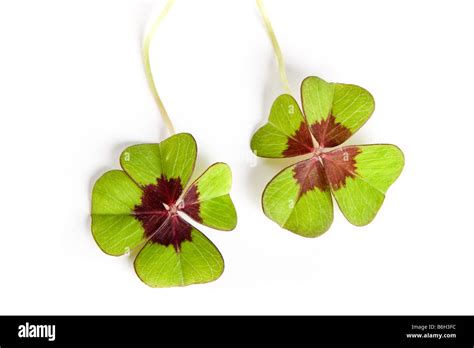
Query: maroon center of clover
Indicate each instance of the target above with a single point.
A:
(158, 213)
(326, 169)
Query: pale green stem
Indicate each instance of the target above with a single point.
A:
(146, 60)
(276, 46)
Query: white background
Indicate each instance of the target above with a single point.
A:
(73, 95)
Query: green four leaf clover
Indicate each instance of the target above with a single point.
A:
(143, 206)
(299, 197)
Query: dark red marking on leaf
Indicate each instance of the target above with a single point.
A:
(340, 164)
(191, 204)
(310, 174)
(329, 133)
(300, 143)
(173, 231)
(158, 213)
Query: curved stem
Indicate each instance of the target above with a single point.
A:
(146, 61)
(276, 46)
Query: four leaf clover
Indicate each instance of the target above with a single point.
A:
(143, 206)
(299, 197)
